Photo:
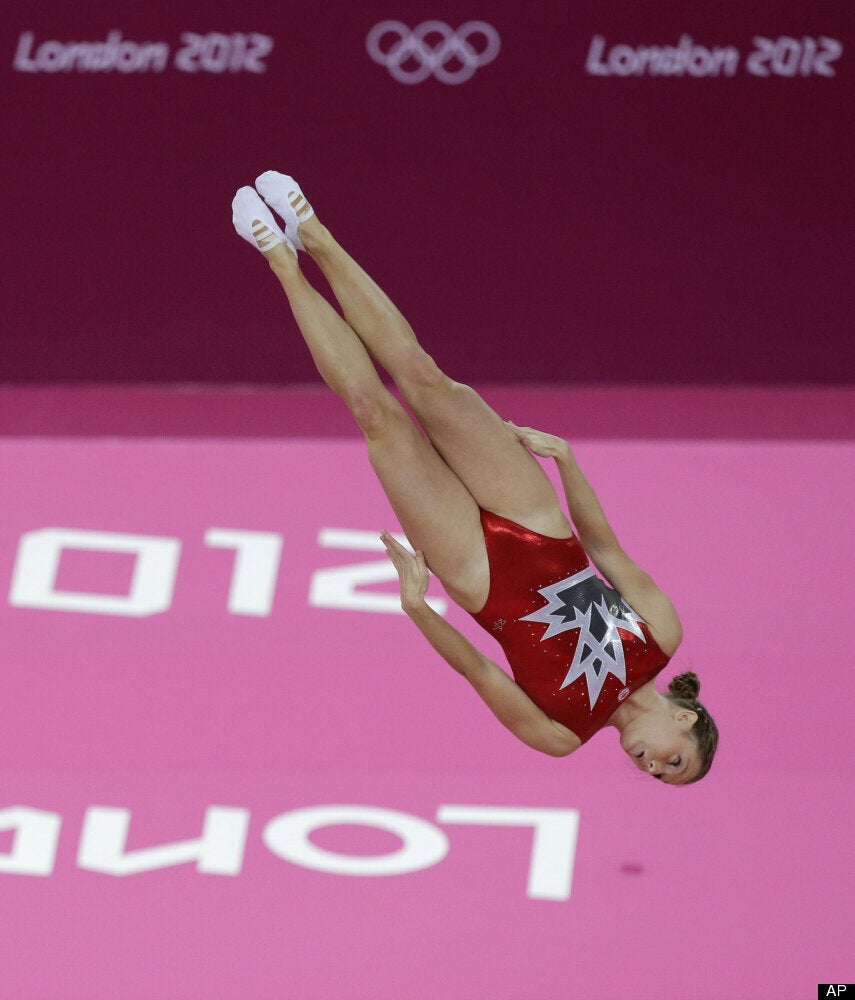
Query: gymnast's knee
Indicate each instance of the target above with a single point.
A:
(418, 370)
(374, 412)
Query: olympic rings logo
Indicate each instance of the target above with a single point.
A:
(431, 47)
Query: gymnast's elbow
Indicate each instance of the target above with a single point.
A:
(549, 741)
(556, 751)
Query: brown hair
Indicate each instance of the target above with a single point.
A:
(683, 691)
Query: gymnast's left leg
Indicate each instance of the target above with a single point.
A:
(436, 511)
(474, 441)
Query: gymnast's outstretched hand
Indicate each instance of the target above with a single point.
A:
(540, 443)
(412, 571)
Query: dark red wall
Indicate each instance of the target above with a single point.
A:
(538, 222)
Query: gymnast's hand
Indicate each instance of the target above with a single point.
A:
(540, 443)
(412, 572)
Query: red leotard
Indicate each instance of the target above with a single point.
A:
(574, 645)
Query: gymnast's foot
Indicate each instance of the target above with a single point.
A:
(283, 194)
(254, 221)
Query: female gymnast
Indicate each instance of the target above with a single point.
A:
(482, 514)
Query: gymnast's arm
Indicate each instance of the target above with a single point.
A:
(602, 545)
(505, 699)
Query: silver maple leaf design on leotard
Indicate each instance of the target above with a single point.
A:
(584, 602)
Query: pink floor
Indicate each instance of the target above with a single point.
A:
(231, 769)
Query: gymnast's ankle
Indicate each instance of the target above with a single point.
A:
(315, 236)
(282, 259)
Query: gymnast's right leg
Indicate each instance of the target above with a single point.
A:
(436, 511)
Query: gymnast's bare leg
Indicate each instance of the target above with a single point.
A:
(475, 442)
(436, 511)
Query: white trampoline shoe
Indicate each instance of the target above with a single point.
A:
(282, 193)
(254, 221)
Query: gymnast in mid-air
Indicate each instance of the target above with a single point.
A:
(482, 515)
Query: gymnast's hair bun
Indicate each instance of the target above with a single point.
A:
(685, 686)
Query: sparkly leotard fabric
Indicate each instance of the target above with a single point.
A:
(574, 645)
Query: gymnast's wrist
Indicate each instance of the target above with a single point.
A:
(562, 452)
(414, 607)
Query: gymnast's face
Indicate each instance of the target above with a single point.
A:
(662, 746)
